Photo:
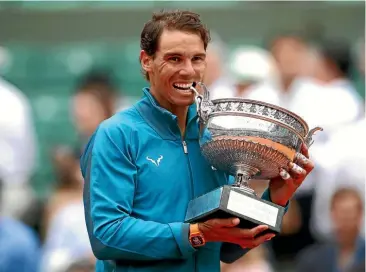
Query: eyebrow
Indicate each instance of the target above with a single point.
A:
(170, 54)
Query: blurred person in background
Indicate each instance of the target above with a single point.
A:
(292, 88)
(69, 185)
(95, 100)
(300, 89)
(250, 66)
(333, 70)
(19, 245)
(350, 161)
(346, 251)
(18, 150)
(217, 76)
(66, 239)
(348, 141)
(67, 242)
(256, 260)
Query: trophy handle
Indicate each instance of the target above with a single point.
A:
(309, 137)
(206, 93)
(203, 103)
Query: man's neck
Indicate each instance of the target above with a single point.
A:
(349, 247)
(179, 111)
(333, 77)
(286, 83)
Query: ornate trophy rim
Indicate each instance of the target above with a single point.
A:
(264, 118)
(258, 102)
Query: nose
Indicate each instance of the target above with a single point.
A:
(188, 69)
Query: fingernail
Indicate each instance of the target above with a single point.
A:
(270, 237)
(284, 174)
(302, 158)
(298, 169)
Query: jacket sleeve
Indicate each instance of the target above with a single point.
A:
(110, 179)
(231, 252)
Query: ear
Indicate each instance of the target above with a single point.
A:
(145, 61)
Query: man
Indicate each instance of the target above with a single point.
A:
(346, 252)
(143, 166)
(96, 99)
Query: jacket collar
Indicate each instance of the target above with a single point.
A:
(163, 121)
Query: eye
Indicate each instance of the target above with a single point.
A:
(198, 58)
(174, 59)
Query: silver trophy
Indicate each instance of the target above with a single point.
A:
(248, 140)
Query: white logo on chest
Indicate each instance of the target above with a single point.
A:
(157, 162)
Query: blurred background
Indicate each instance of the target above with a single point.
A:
(66, 66)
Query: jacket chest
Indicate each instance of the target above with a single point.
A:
(171, 173)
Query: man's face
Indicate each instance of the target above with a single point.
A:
(179, 61)
(289, 54)
(347, 218)
(87, 112)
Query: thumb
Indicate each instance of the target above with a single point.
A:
(228, 222)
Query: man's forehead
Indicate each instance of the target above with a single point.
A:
(184, 43)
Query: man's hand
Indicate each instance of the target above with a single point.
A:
(284, 186)
(224, 230)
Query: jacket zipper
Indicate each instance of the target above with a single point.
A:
(185, 149)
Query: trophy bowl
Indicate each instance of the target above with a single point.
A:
(248, 140)
(248, 137)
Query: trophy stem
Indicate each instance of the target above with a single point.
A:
(242, 182)
(243, 174)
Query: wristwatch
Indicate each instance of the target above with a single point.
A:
(195, 236)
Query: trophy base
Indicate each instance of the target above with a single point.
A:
(229, 201)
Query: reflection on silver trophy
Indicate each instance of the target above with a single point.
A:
(249, 140)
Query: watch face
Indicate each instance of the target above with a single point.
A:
(197, 241)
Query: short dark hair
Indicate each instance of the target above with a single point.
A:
(339, 53)
(276, 38)
(345, 192)
(97, 79)
(102, 86)
(173, 20)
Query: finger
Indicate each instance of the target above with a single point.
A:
(257, 230)
(257, 241)
(304, 162)
(296, 170)
(251, 233)
(227, 222)
(285, 175)
(304, 150)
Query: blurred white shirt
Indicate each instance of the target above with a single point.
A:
(330, 106)
(18, 150)
(221, 88)
(67, 239)
(17, 135)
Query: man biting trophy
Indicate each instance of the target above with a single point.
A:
(158, 191)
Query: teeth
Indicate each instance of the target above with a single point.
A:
(184, 86)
